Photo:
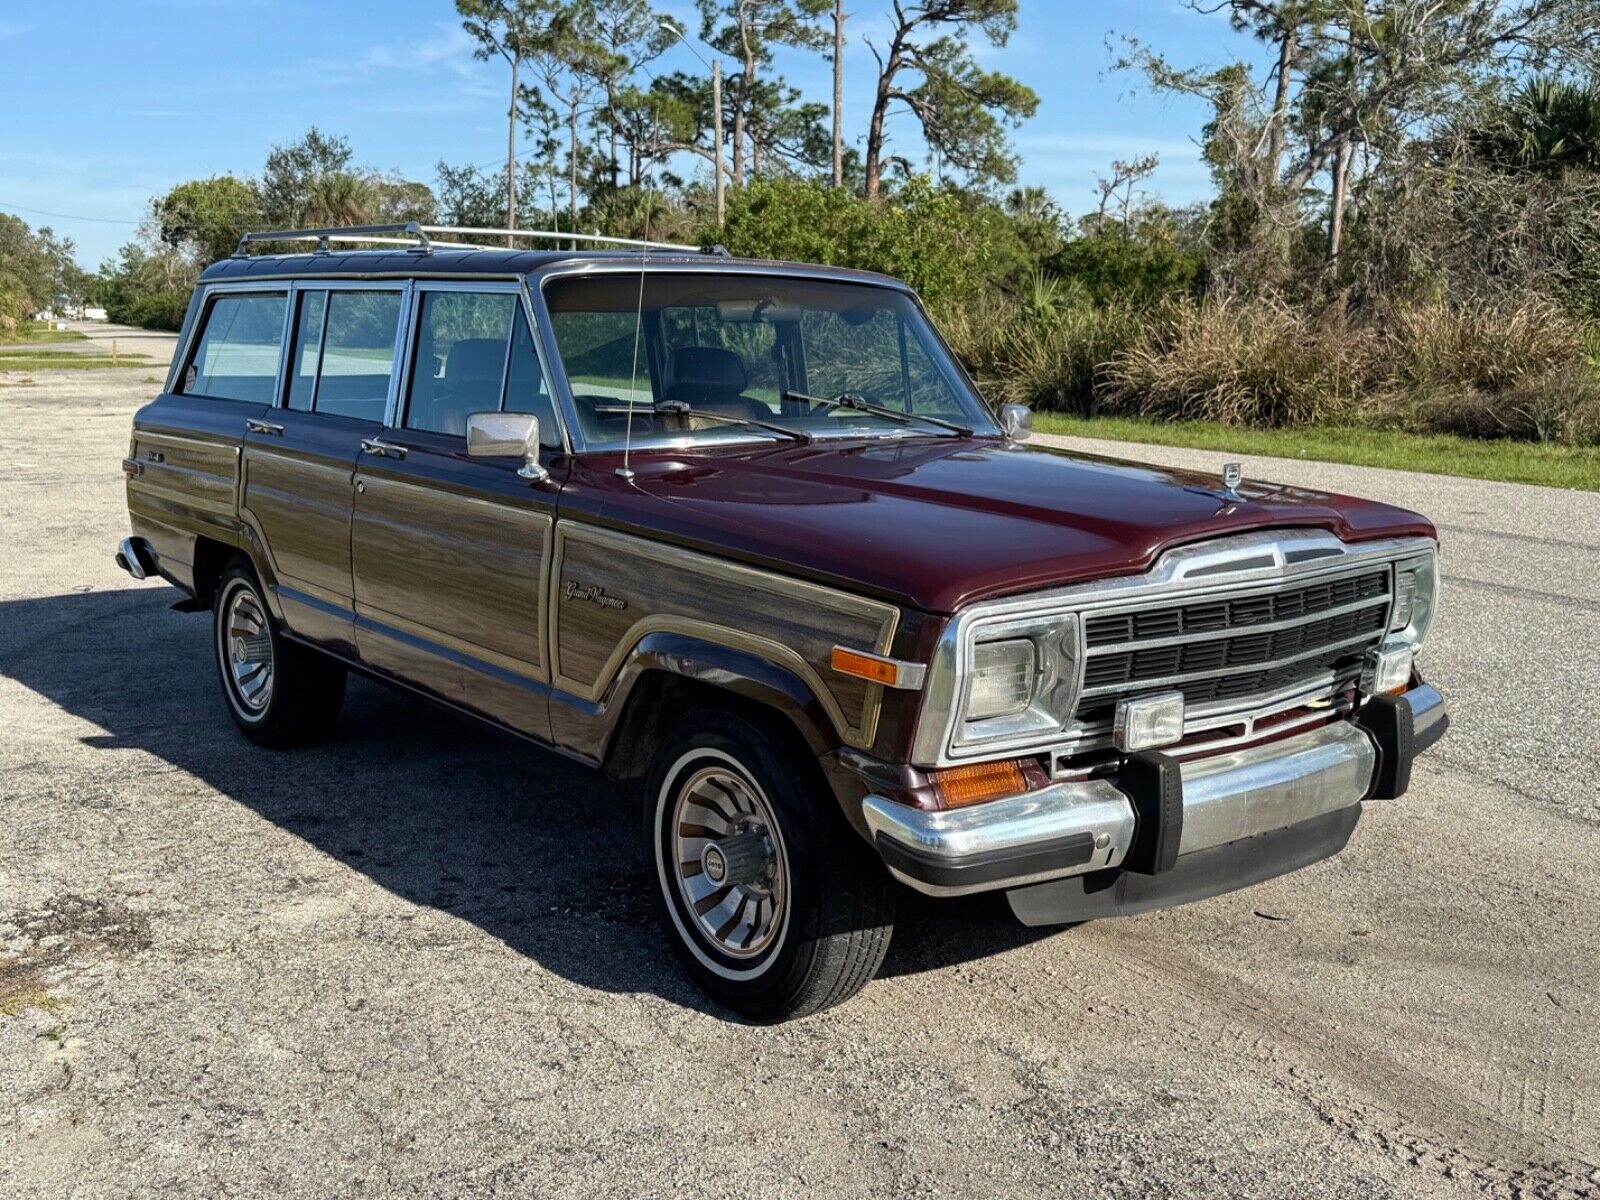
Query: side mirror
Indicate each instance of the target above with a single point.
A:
(502, 434)
(1017, 421)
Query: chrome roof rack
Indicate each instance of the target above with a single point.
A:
(560, 236)
(417, 239)
(415, 236)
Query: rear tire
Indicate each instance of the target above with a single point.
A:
(774, 905)
(279, 693)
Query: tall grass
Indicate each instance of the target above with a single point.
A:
(1524, 371)
(1238, 363)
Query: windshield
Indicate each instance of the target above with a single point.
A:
(731, 357)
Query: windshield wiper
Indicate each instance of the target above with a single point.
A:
(859, 403)
(681, 409)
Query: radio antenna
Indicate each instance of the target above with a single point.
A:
(625, 471)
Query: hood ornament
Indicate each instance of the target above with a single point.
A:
(1228, 493)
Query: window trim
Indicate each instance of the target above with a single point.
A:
(191, 345)
(299, 287)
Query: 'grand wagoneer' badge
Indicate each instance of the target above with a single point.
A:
(593, 594)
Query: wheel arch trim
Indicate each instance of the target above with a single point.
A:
(767, 674)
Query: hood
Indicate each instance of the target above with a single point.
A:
(941, 522)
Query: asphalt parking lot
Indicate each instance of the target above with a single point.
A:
(417, 960)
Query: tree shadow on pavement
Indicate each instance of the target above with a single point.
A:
(538, 851)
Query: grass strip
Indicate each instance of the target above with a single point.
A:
(1433, 454)
(66, 360)
(29, 333)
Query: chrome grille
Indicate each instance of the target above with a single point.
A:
(1234, 647)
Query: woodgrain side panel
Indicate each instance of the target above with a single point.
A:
(465, 572)
(184, 475)
(788, 621)
(301, 505)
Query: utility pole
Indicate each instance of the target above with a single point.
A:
(716, 110)
(716, 119)
(838, 93)
(511, 154)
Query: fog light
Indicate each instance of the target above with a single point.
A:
(1149, 721)
(1387, 670)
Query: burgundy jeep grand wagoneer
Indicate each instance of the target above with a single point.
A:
(744, 535)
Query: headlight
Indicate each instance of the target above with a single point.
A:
(1416, 592)
(1020, 680)
(1003, 674)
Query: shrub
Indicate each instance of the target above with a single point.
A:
(148, 288)
(158, 310)
(1238, 363)
(1561, 405)
(936, 241)
(1111, 268)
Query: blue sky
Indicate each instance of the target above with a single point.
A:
(108, 102)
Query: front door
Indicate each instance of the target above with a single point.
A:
(300, 456)
(450, 553)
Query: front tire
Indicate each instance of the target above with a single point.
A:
(773, 904)
(280, 694)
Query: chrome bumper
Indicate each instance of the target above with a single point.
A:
(1073, 828)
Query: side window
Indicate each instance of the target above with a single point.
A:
(237, 355)
(358, 348)
(343, 353)
(525, 388)
(459, 365)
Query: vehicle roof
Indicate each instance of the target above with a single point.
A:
(458, 261)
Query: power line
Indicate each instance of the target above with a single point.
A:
(40, 212)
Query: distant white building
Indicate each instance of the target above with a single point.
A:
(76, 314)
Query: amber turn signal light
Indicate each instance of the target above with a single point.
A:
(890, 672)
(960, 786)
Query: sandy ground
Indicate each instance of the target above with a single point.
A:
(416, 961)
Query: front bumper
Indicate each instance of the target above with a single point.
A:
(1070, 829)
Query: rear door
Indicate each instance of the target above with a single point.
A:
(451, 554)
(300, 456)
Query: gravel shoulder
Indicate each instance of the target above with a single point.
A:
(414, 961)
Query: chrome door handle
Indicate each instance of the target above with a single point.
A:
(381, 448)
(255, 426)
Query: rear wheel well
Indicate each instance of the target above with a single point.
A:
(211, 559)
(656, 702)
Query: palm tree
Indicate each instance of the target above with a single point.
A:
(1550, 125)
(337, 198)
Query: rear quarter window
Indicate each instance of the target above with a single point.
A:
(236, 356)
